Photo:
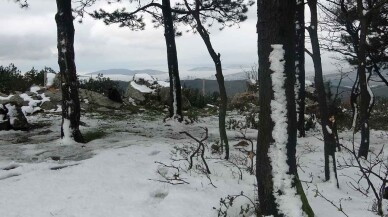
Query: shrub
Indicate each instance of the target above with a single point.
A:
(100, 84)
(11, 79)
(198, 100)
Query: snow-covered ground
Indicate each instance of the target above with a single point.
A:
(122, 174)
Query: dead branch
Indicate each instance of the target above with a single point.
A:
(201, 147)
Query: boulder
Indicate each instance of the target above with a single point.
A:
(12, 117)
(134, 93)
(4, 120)
(114, 95)
(13, 99)
(98, 99)
(164, 95)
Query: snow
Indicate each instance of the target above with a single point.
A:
(141, 88)
(50, 79)
(308, 83)
(163, 83)
(329, 129)
(143, 76)
(119, 178)
(355, 116)
(6, 97)
(114, 175)
(288, 200)
(67, 138)
(174, 103)
(371, 95)
(11, 113)
(34, 89)
(33, 103)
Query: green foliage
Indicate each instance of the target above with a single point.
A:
(100, 84)
(198, 100)
(11, 79)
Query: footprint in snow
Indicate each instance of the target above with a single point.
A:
(10, 167)
(159, 194)
(9, 175)
(154, 153)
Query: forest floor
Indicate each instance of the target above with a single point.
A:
(137, 166)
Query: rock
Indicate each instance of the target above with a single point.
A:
(12, 117)
(134, 94)
(98, 99)
(4, 120)
(14, 99)
(54, 94)
(49, 105)
(114, 95)
(164, 95)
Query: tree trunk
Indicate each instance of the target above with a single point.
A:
(223, 106)
(71, 111)
(300, 66)
(276, 32)
(364, 89)
(328, 136)
(220, 78)
(172, 59)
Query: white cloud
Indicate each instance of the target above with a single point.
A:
(28, 38)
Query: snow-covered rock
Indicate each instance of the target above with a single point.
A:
(12, 117)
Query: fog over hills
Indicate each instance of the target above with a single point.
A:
(129, 72)
(235, 79)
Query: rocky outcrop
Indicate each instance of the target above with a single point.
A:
(164, 96)
(12, 117)
(135, 94)
(93, 99)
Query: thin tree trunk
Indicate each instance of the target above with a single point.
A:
(276, 30)
(220, 77)
(328, 136)
(364, 92)
(71, 111)
(172, 59)
(300, 65)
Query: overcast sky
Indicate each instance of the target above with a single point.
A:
(28, 39)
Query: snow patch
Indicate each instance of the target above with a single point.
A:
(141, 88)
(50, 79)
(6, 97)
(12, 113)
(286, 196)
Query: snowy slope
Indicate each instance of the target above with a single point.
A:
(117, 174)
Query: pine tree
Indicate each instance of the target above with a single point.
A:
(276, 147)
(71, 111)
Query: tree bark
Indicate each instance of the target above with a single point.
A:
(71, 111)
(276, 26)
(172, 59)
(300, 65)
(328, 136)
(220, 77)
(364, 92)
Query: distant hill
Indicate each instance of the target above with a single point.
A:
(379, 89)
(126, 72)
(200, 69)
(232, 87)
